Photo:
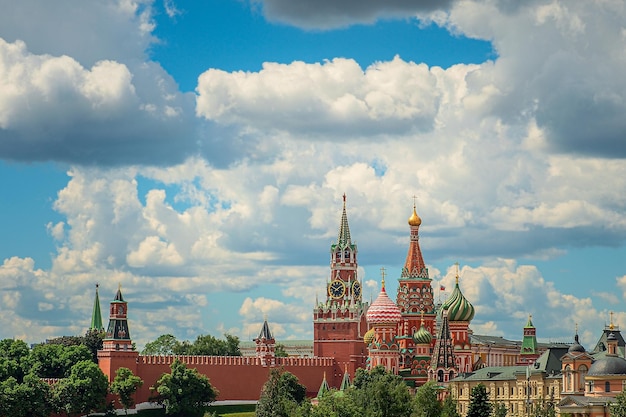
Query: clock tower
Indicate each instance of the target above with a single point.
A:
(339, 321)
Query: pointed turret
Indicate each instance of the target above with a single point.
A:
(414, 266)
(343, 239)
(117, 336)
(528, 351)
(345, 382)
(266, 346)
(443, 364)
(323, 387)
(96, 314)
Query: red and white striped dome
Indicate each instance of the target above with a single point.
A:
(383, 309)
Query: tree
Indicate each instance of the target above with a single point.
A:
(281, 395)
(425, 401)
(13, 359)
(164, 345)
(499, 410)
(184, 392)
(28, 399)
(381, 394)
(479, 402)
(449, 407)
(84, 391)
(125, 385)
(279, 351)
(337, 404)
(93, 340)
(618, 408)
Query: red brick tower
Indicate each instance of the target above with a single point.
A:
(339, 322)
(117, 348)
(266, 346)
(416, 303)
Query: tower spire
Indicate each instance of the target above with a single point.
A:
(414, 266)
(96, 314)
(343, 239)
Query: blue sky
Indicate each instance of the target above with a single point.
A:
(197, 152)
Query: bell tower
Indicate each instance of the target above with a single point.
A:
(339, 321)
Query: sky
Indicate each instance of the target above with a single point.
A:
(196, 153)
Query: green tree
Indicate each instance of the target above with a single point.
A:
(165, 344)
(28, 399)
(66, 341)
(13, 359)
(184, 392)
(93, 340)
(479, 402)
(125, 385)
(381, 394)
(336, 404)
(83, 391)
(279, 351)
(499, 410)
(449, 407)
(425, 402)
(281, 395)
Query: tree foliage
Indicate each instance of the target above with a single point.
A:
(125, 385)
(425, 402)
(56, 360)
(184, 392)
(449, 407)
(30, 398)
(281, 395)
(381, 394)
(83, 391)
(279, 351)
(618, 408)
(167, 344)
(93, 340)
(479, 405)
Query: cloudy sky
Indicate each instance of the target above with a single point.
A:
(196, 153)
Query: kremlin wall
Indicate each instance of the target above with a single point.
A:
(414, 337)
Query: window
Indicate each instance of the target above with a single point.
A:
(607, 386)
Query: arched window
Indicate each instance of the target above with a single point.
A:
(582, 372)
(607, 386)
(567, 379)
(440, 376)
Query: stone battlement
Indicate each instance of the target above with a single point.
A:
(231, 360)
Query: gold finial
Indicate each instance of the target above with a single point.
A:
(422, 317)
(611, 325)
(414, 220)
(457, 272)
(382, 274)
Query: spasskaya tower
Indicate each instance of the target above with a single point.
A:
(339, 321)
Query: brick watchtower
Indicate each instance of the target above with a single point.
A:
(266, 346)
(117, 348)
(339, 321)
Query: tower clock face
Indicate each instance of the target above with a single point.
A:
(337, 288)
(356, 290)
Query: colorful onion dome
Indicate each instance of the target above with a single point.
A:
(368, 337)
(459, 309)
(383, 309)
(422, 336)
(414, 220)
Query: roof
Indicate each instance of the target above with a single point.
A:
(493, 373)
(343, 239)
(265, 331)
(96, 314)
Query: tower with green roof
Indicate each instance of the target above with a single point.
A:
(96, 314)
(528, 351)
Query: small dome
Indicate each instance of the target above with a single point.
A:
(368, 337)
(414, 220)
(459, 309)
(610, 365)
(383, 309)
(422, 336)
(576, 347)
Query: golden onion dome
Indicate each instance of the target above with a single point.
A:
(368, 337)
(414, 220)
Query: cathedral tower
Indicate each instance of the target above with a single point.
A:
(415, 300)
(339, 321)
(384, 316)
(460, 312)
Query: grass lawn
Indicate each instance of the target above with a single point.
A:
(237, 410)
